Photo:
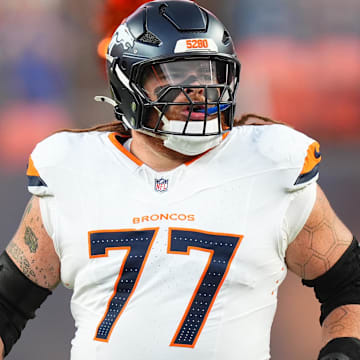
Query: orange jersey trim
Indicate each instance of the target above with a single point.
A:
(127, 153)
(31, 170)
(137, 161)
(313, 158)
(225, 135)
(196, 158)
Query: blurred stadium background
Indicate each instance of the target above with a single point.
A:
(300, 64)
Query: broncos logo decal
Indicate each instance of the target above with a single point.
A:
(123, 37)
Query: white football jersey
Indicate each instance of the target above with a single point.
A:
(177, 265)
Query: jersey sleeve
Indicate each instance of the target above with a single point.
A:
(44, 171)
(303, 159)
(295, 155)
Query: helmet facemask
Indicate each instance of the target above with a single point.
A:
(187, 96)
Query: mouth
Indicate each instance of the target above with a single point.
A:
(197, 113)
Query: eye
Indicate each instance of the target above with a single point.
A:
(169, 96)
(159, 89)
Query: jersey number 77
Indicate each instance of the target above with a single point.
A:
(137, 244)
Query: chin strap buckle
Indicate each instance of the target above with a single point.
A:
(105, 99)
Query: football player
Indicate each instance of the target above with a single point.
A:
(175, 225)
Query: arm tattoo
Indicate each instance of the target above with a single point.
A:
(30, 239)
(321, 240)
(21, 260)
(35, 273)
(342, 319)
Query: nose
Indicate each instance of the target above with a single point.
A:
(193, 80)
(195, 91)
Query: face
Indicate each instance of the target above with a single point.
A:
(178, 94)
(193, 76)
(154, 86)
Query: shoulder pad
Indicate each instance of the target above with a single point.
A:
(288, 148)
(46, 156)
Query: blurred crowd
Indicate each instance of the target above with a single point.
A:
(305, 58)
(48, 66)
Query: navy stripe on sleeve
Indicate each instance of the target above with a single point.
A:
(303, 178)
(36, 181)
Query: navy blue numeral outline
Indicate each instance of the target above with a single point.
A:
(137, 244)
(222, 249)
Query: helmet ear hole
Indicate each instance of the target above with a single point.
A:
(123, 65)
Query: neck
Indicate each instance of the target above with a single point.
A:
(153, 153)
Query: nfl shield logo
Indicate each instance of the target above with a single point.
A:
(161, 185)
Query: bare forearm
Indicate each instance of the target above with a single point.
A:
(32, 250)
(342, 322)
(29, 268)
(326, 255)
